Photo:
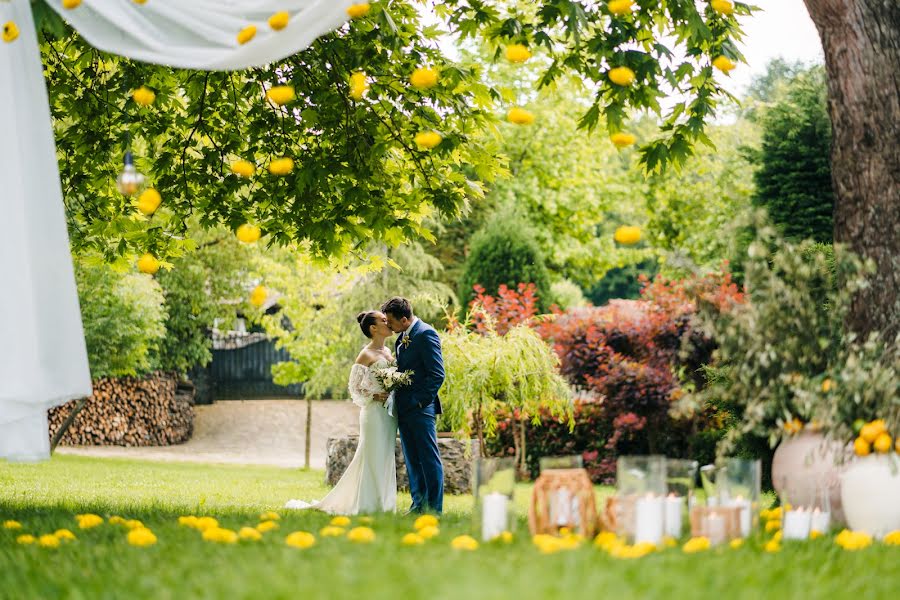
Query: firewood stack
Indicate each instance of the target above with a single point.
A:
(130, 411)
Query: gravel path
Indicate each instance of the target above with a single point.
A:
(253, 432)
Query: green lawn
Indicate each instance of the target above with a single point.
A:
(100, 564)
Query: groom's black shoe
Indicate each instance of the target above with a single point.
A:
(415, 510)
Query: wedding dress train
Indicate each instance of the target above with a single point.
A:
(369, 484)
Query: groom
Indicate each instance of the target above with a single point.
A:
(418, 349)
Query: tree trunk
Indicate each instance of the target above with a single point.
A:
(861, 40)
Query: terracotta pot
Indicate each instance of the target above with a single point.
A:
(802, 464)
(870, 489)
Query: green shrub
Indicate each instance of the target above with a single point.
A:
(123, 316)
(505, 252)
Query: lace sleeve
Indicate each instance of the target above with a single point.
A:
(361, 386)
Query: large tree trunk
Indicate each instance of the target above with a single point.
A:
(861, 39)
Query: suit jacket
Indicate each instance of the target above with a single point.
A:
(422, 355)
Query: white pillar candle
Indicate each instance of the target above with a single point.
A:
(820, 521)
(494, 515)
(674, 506)
(649, 517)
(797, 524)
(715, 529)
(561, 507)
(745, 514)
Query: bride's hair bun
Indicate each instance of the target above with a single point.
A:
(360, 317)
(366, 320)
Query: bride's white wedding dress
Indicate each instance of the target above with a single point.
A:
(370, 482)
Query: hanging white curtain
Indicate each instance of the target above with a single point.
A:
(43, 361)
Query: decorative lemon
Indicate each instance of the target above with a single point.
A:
(88, 521)
(141, 537)
(870, 431)
(428, 532)
(620, 7)
(517, 53)
(696, 544)
(267, 526)
(149, 201)
(627, 235)
(269, 516)
(427, 140)
(412, 539)
(300, 539)
(281, 166)
(12, 525)
(281, 94)
(10, 32)
(883, 443)
(622, 140)
(621, 76)
(64, 534)
(248, 233)
(26, 539)
(425, 521)
(520, 116)
(358, 10)
(70, 4)
(340, 521)
(724, 7)
(249, 534)
(49, 541)
(423, 78)
(243, 168)
(723, 63)
(148, 264)
(827, 385)
(464, 542)
(259, 295)
(246, 34)
(279, 20)
(361, 535)
(143, 96)
(358, 85)
(332, 531)
(861, 447)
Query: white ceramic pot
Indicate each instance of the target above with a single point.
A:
(805, 463)
(870, 490)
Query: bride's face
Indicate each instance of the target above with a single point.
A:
(380, 327)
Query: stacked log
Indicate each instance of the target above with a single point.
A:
(130, 411)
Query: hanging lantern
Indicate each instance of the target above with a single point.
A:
(130, 180)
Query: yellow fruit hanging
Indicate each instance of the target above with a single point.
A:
(424, 78)
(248, 233)
(149, 201)
(427, 139)
(724, 7)
(627, 235)
(517, 53)
(723, 63)
(861, 447)
(10, 32)
(358, 10)
(148, 264)
(520, 116)
(144, 96)
(882, 443)
(621, 76)
(871, 431)
(281, 166)
(620, 7)
(246, 34)
(243, 168)
(279, 20)
(622, 139)
(259, 295)
(358, 85)
(281, 94)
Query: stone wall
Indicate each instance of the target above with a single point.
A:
(457, 464)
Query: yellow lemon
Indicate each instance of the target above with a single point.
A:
(64, 534)
(773, 525)
(520, 116)
(221, 536)
(49, 541)
(332, 531)
(883, 443)
(464, 542)
(358, 10)
(148, 264)
(246, 34)
(366, 520)
(358, 85)
(772, 546)
(897, 445)
(815, 534)
(622, 140)
(517, 53)
(267, 526)
(10, 32)
(149, 201)
(736, 543)
(259, 295)
(269, 516)
(243, 168)
(281, 94)
(204, 523)
(361, 535)
(861, 447)
(620, 7)
(300, 539)
(26, 539)
(723, 63)
(116, 520)
(697, 544)
(724, 7)
(139, 1)
(70, 4)
(143, 96)
(621, 76)
(88, 521)
(141, 537)
(506, 537)
(827, 384)
(249, 534)
(340, 521)
(279, 20)
(412, 539)
(248, 233)
(423, 78)
(189, 521)
(892, 538)
(427, 139)
(425, 521)
(281, 166)
(627, 235)
(12, 525)
(428, 532)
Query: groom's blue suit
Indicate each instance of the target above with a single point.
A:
(417, 406)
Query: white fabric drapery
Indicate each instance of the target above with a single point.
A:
(43, 361)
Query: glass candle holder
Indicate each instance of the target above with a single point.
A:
(640, 505)
(738, 483)
(574, 461)
(680, 477)
(494, 487)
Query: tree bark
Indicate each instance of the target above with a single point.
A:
(861, 40)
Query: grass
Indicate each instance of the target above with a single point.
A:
(100, 564)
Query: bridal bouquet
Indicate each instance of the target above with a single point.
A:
(390, 379)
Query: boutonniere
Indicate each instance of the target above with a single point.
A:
(405, 341)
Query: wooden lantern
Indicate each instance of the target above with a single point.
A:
(563, 498)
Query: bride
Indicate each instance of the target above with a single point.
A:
(370, 482)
